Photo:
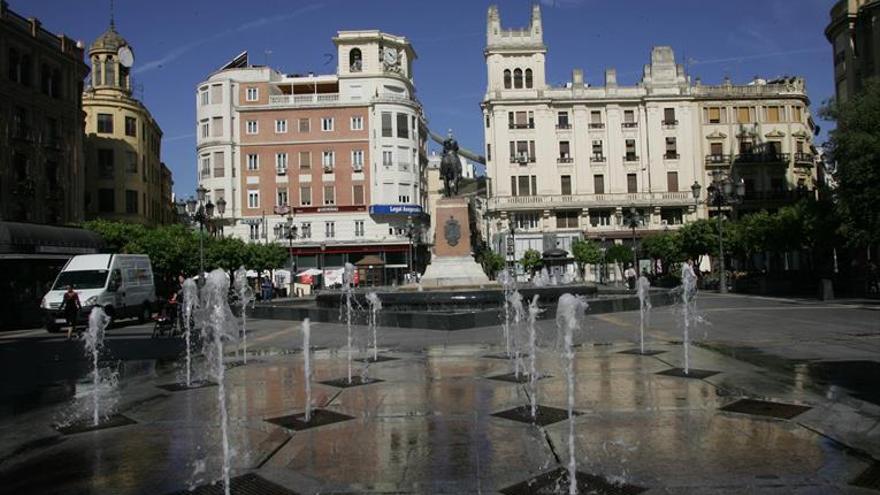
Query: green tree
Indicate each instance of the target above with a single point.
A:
(665, 247)
(854, 148)
(531, 261)
(585, 251)
(491, 261)
(227, 253)
(261, 257)
(699, 238)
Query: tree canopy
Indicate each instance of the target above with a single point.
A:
(531, 260)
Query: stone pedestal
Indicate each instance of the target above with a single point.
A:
(452, 263)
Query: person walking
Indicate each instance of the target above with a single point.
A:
(630, 275)
(70, 306)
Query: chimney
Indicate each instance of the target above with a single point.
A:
(577, 78)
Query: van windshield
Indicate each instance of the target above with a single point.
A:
(83, 279)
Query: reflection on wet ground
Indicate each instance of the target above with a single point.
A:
(429, 422)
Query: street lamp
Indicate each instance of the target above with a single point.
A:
(723, 191)
(633, 220)
(286, 230)
(200, 211)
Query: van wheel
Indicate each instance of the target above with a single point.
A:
(146, 314)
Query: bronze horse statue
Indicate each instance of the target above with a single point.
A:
(450, 167)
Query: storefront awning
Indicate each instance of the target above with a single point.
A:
(36, 239)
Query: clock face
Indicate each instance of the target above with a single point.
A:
(390, 56)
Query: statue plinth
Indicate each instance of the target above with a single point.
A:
(452, 264)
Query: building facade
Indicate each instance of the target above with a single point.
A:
(126, 179)
(342, 154)
(573, 161)
(854, 34)
(41, 143)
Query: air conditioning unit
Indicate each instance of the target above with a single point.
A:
(281, 171)
(328, 169)
(357, 168)
(523, 158)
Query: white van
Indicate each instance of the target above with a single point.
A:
(122, 284)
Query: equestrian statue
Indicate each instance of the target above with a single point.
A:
(450, 167)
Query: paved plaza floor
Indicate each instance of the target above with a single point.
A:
(437, 420)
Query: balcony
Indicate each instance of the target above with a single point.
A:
(563, 126)
(629, 125)
(721, 160)
(670, 124)
(762, 158)
(304, 100)
(805, 159)
(281, 171)
(608, 200)
(597, 159)
(530, 125)
(671, 156)
(522, 159)
(565, 159)
(630, 158)
(597, 125)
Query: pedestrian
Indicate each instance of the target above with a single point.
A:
(70, 306)
(630, 275)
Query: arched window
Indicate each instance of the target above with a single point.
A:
(528, 78)
(355, 60)
(506, 78)
(517, 79)
(110, 71)
(97, 72)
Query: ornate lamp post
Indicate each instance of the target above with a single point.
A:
(286, 230)
(200, 211)
(723, 191)
(412, 233)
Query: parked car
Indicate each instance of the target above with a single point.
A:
(122, 284)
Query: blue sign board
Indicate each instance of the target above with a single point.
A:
(395, 210)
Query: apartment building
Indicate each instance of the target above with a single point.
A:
(41, 143)
(126, 179)
(342, 153)
(854, 34)
(572, 161)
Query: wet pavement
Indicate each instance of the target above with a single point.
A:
(430, 424)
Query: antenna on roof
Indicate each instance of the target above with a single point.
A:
(112, 20)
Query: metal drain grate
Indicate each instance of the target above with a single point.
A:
(638, 352)
(85, 425)
(870, 477)
(180, 387)
(246, 484)
(765, 408)
(512, 378)
(320, 417)
(379, 359)
(692, 373)
(356, 381)
(556, 481)
(545, 415)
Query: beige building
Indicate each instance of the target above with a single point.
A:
(570, 161)
(41, 144)
(854, 34)
(126, 179)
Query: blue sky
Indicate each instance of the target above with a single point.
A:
(177, 44)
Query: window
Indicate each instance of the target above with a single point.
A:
(402, 129)
(329, 230)
(489, 152)
(671, 216)
(204, 129)
(327, 124)
(523, 184)
(521, 120)
(105, 123)
(517, 78)
(216, 94)
(106, 201)
(205, 169)
(488, 121)
(797, 114)
(567, 219)
(357, 194)
(600, 218)
(131, 162)
(252, 94)
(253, 161)
(355, 60)
(526, 221)
(357, 123)
(745, 115)
(669, 116)
(564, 151)
(716, 149)
(672, 181)
(596, 120)
(528, 78)
(632, 183)
(305, 195)
(328, 160)
(131, 126)
(629, 117)
(217, 127)
(631, 150)
(305, 125)
(306, 230)
(280, 127)
(110, 72)
(562, 121)
(357, 160)
(305, 160)
(281, 163)
(387, 130)
(358, 228)
(252, 127)
(329, 195)
(714, 115)
(522, 151)
(203, 97)
(671, 149)
(599, 184)
(105, 163)
(774, 114)
(387, 157)
(281, 197)
(566, 185)
(799, 146)
(131, 201)
(253, 199)
(506, 78)
(745, 147)
(254, 231)
(598, 155)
